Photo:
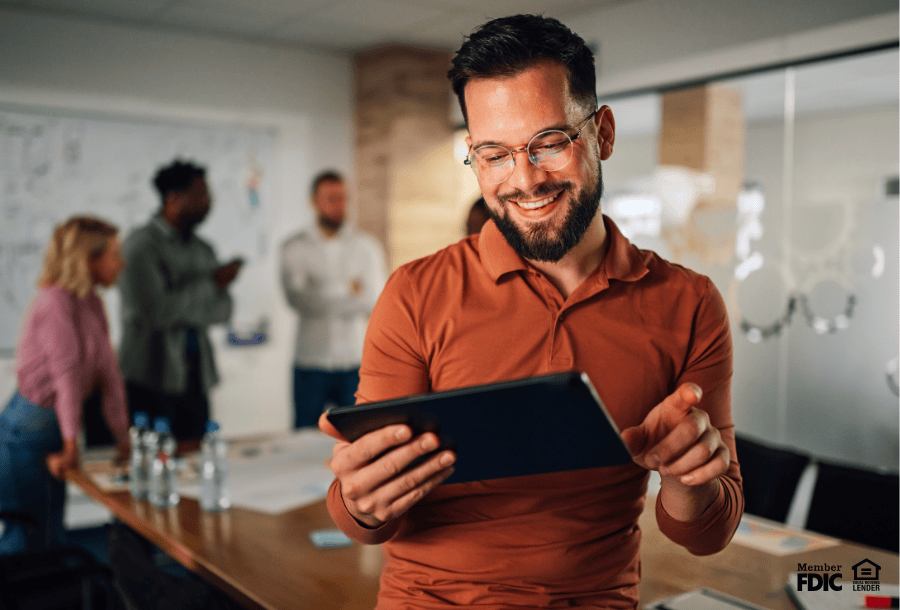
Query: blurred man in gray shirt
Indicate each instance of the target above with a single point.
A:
(173, 289)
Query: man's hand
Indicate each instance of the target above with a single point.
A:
(225, 274)
(123, 452)
(678, 440)
(356, 287)
(61, 461)
(375, 485)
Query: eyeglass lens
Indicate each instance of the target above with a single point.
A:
(549, 151)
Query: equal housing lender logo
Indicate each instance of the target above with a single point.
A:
(865, 576)
(825, 577)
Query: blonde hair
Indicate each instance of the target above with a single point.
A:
(75, 243)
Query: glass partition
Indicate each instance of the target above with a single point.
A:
(806, 256)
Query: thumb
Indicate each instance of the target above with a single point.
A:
(328, 428)
(635, 438)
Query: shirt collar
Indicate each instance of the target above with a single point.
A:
(166, 229)
(497, 255)
(623, 261)
(342, 233)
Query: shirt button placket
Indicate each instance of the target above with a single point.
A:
(561, 353)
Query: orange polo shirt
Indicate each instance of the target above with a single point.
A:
(476, 313)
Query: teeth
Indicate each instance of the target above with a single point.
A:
(534, 205)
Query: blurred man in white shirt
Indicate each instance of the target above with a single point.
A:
(332, 276)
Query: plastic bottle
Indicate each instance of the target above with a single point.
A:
(163, 472)
(139, 465)
(214, 493)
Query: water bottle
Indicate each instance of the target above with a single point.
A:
(214, 495)
(163, 472)
(139, 465)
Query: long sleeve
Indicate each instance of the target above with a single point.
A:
(193, 301)
(60, 343)
(710, 366)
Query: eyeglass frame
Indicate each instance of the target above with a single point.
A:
(512, 153)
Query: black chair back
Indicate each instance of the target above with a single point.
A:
(57, 578)
(856, 504)
(770, 476)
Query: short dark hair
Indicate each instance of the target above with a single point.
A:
(176, 177)
(329, 175)
(509, 45)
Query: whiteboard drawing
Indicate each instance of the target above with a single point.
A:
(55, 165)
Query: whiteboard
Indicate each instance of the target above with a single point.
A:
(57, 164)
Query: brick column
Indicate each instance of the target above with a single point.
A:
(406, 181)
(703, 129)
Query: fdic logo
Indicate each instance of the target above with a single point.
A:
(824, 577)
(816, 577)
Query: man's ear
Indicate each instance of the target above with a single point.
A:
(606, 131)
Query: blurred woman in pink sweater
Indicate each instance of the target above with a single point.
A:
(64, 354)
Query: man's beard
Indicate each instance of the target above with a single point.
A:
(330, 224)
(537, 243)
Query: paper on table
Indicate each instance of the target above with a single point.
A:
(276, 476)
(107, 481)
(269, 476)
(704, 599)
(776, 539)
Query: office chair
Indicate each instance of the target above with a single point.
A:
(770, 476)
(58, 578)
(856, 504)
(146, 587)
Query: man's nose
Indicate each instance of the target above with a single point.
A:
(525, 174)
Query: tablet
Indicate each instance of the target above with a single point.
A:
(538, 425)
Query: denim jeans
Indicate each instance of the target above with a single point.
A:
(313, 389)
(28, 432)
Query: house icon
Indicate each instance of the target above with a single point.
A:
(866, 570)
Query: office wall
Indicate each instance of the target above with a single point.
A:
(306, 96)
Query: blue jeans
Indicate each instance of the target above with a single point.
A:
(28, 432)
(314, 389)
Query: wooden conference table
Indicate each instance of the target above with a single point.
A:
(267, 562)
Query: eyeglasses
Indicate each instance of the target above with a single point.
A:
(549, 150)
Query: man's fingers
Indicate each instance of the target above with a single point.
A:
(698, 453)
(380, 457)
(662, 419)
(711, 470)
(369, 447)
(410, 499)
(680, 402)
(387, 499)
(681, 438)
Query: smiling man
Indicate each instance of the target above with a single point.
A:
(548, 285)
